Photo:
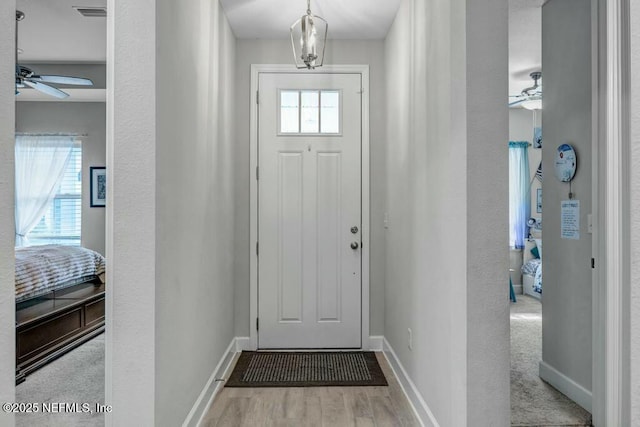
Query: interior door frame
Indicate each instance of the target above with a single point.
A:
(612, 275)
(256, 70)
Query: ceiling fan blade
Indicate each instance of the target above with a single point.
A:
(63, 80)
(49, 90)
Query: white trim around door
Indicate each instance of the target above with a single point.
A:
(611, 364)
(256, 69)
(610, 387)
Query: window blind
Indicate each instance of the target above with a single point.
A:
(62, 222)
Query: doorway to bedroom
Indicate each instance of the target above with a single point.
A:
(552, 134)
(60, 159)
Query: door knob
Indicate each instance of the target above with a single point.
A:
(354, 245)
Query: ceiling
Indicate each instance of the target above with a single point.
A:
(52, 31)
(348, 19)
(525, 42)
(56, 33)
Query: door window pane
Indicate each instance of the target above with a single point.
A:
(289, 111)
(330, 112)
(310, 112)
(310, 116)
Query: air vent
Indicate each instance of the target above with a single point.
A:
(91, 12)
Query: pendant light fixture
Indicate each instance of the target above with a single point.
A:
(308, 39)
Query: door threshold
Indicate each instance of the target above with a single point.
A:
(285, 350)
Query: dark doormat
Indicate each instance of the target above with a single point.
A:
(306, 369)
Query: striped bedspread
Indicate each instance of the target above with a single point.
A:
(40, 269)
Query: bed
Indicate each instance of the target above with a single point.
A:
(59, 302)
(532, 268)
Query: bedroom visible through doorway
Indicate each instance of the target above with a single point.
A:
(551, 320)
(60, 158)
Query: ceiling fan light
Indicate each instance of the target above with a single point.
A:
(532, 104)
(308, 39)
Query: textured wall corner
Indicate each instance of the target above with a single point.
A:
(487, 190)
(7, 225)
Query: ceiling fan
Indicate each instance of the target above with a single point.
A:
(26, 77)
(531, 97)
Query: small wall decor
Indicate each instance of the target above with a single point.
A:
(537, 137)
(98, 181)
(539, 200)
(565, 163)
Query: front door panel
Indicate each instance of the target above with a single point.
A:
(309, 190)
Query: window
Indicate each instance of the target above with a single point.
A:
(519, 196)
(61, 223)
(309, 112)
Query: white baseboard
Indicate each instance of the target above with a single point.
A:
(211, 388)
(419, 406)
(243, 344)
(566, 385)
(376, 343)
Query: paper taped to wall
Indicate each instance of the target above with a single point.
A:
(570, 219)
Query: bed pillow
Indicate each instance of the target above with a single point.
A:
(535, 252)
(539, 246)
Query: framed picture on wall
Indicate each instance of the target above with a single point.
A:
(98, 184)
(539, 200)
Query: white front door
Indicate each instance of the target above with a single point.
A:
(309, 210)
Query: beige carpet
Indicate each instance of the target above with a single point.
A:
(78, 376)
(534, 402)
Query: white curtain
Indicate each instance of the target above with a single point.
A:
(40, 165)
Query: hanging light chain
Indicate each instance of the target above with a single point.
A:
(308, 7)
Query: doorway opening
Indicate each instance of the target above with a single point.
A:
(60, 155)
(552, 315)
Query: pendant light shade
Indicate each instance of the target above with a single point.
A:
(308, 39)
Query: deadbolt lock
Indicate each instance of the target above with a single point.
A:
(354, 229)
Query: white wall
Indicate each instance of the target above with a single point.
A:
(7, 203)
(131, 213)
(446, 278)
(567, 118)
(80, 118)
(338, 52)
(195, 201)
(634, 217)
(487, 188)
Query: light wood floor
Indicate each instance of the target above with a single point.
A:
(313, 406)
